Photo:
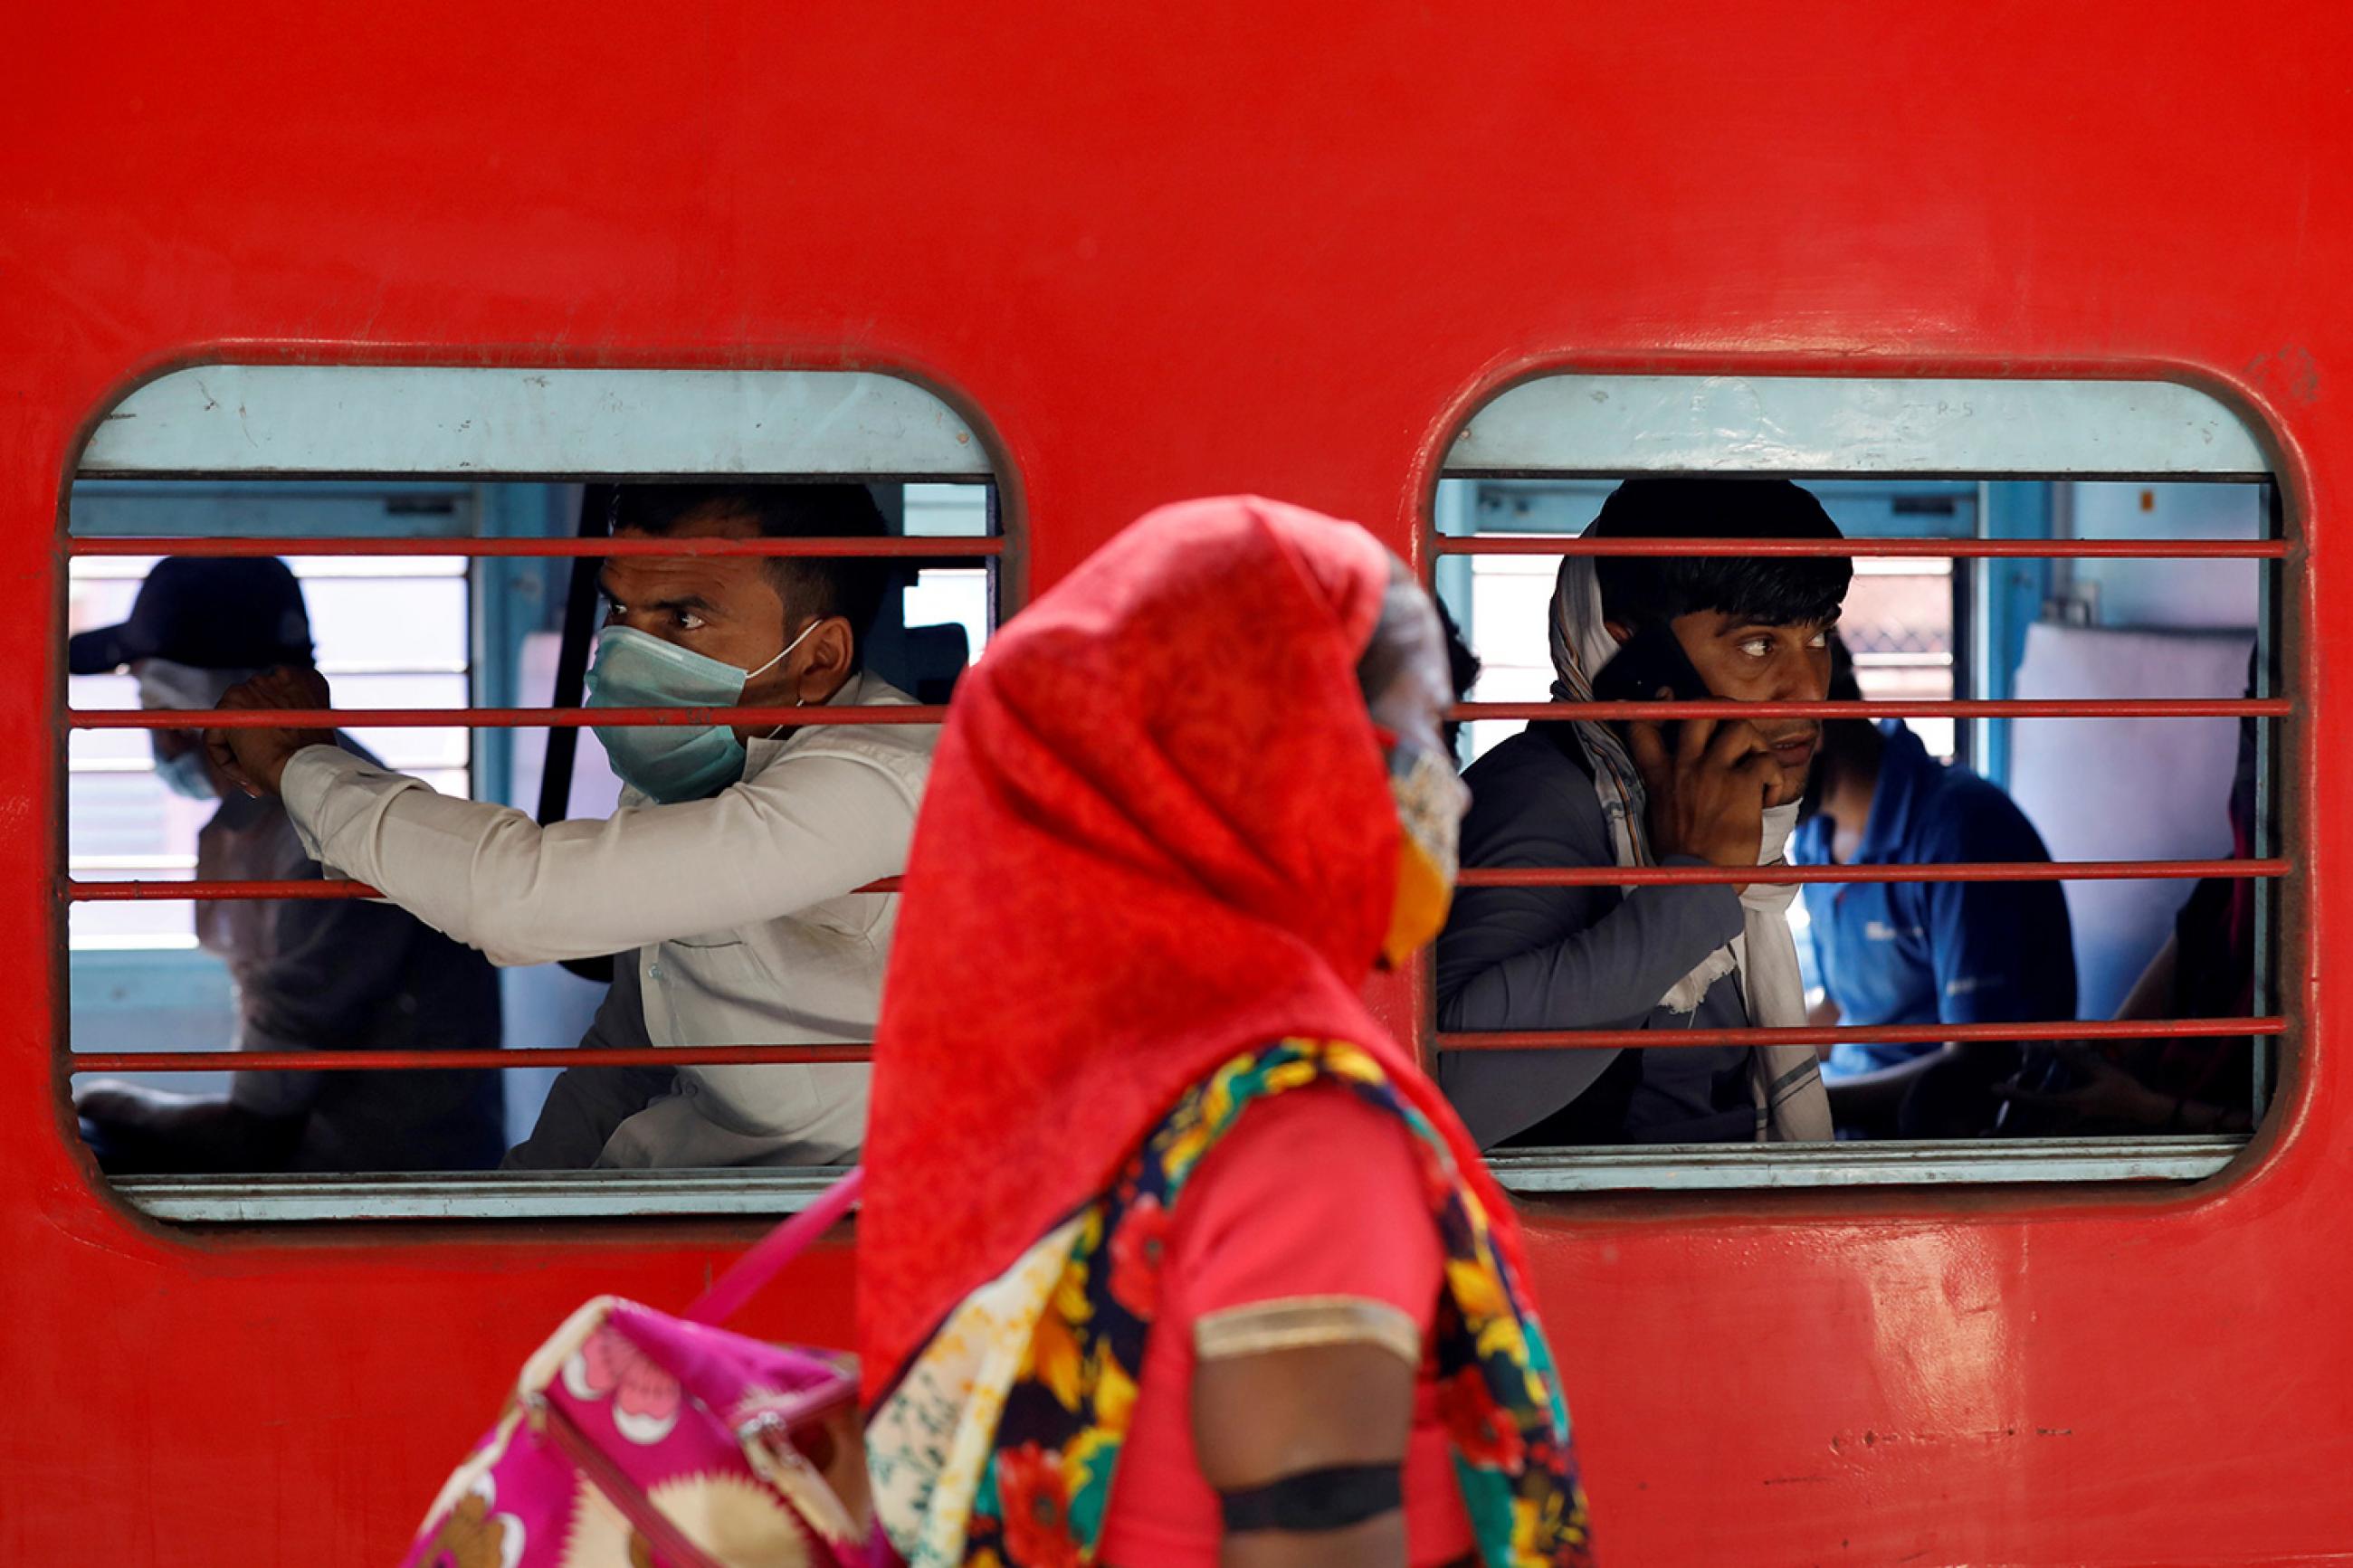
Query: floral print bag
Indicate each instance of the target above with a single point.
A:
(635, 1439)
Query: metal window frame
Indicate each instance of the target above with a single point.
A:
(1668, 1168)
(282, 424)
(1848, 426)
(474, 422)
(1577, 423)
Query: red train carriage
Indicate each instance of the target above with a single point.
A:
(2035, 287)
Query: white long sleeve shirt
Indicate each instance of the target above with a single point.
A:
(740, 908)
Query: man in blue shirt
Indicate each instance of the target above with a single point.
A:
(1923, 953)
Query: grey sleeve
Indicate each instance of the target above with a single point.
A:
(1555, 958)
(587, 1104)
(332, 965)
(1568, 958)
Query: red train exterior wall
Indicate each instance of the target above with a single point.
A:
(1161, 253)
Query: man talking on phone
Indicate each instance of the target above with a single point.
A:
(1692, 792)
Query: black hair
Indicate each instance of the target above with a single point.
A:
(1462, 667)
(824, 587)
(1768, 590)
(1847, 743)
(1384, 653)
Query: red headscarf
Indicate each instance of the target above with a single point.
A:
(1158, 831)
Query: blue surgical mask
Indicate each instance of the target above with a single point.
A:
(670, 763)
(187, 775)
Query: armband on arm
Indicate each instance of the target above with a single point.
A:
(1323, 1409)
(1331, 1498)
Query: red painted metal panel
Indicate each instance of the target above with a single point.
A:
(1139, 291)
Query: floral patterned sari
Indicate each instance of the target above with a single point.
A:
(999, 1444)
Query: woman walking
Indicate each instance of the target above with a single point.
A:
(1171, 1255)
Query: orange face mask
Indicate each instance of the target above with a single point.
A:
(1430, 802)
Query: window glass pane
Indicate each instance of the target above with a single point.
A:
(1898, 625)
(387, 622)
(959, 594)
(140, 926)
(1511, 605)
(2179, 595)
(948, 510)
(101, 602)
(120, 815)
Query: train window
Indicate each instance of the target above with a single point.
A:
(2066, 628)
(442, 531)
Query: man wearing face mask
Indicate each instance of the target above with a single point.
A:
(1585, 793)
(307, 974)
(726, 880)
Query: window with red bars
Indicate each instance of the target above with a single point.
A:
(2117, 651)
(441, 618)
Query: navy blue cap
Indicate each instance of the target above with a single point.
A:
(209, 613)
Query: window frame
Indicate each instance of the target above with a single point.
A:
(1575, 424)
(470, 425)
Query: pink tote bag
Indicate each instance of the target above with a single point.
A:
(635, 1439)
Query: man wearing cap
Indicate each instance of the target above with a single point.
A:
(311, 975)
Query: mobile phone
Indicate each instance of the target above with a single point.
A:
(1651, 659)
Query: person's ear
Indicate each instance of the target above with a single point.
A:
(1619, 629)
(826, 660)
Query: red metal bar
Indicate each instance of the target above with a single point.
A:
(795, 718)
(397, 1061)
(483, 718)
(1976, 708)
(1935, 871)
(993, 545)
(1883, 1034)
(1934, 549)
(160, 890)
(759, 1056)
(961, 547)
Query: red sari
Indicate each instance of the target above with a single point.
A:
(1158, 838)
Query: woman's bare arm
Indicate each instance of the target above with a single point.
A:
(1285, 1429)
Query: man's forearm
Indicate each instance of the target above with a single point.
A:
(489, 876)
(1608, 975)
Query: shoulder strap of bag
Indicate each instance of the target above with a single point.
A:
(769, 1254)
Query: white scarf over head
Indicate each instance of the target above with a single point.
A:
(1793, 1107)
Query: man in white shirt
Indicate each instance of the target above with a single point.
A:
(730, 867)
